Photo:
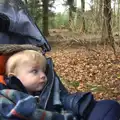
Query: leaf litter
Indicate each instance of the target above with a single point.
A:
(86, 70)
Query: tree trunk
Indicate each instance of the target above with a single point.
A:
(100, 11)
(83, 11)
(45, 17)
(26, 2)
(95, 6)
(76, 14)
(107, 36)
(118, 17)
(114, 17)
(70, 3)
(70, 17)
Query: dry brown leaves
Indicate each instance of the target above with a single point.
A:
(84, 70)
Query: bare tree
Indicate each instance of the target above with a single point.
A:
(76, 14)
(45, 17)
(71, 7)
(107, 36)
(100, 11)
(83, 11)
(26, 2)
(118, 17)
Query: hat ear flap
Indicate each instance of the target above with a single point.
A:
(2, 81)
(3, 60)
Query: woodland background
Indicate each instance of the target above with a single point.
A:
(85, 43)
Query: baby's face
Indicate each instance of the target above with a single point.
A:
(32, 76)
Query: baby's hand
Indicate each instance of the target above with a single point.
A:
(26, 106)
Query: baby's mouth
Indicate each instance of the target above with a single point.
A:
(43, 83)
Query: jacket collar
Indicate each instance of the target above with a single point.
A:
(14, 83)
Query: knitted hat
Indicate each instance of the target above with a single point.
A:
(9, 49)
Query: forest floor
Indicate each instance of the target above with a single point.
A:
(85, 66)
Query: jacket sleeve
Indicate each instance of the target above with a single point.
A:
(81, 104)
(16, 105)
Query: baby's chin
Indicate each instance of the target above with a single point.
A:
(39, 88)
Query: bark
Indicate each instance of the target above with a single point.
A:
(45, 17)
(26, 2)
(100, 11)
(107, 36)
(118, 17)
(70, 3)
(83, 11)
(76, 14)
(70, 18)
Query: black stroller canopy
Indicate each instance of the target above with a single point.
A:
(17, 26)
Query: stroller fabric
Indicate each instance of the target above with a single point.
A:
(18, 27)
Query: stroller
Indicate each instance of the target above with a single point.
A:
(18, 28)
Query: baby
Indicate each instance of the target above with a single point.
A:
(29, 67)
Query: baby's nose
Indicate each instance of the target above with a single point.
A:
(42, 76)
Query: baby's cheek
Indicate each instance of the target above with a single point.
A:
(46, 79)
(25, 81)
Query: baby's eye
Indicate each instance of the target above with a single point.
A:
(35, 71)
